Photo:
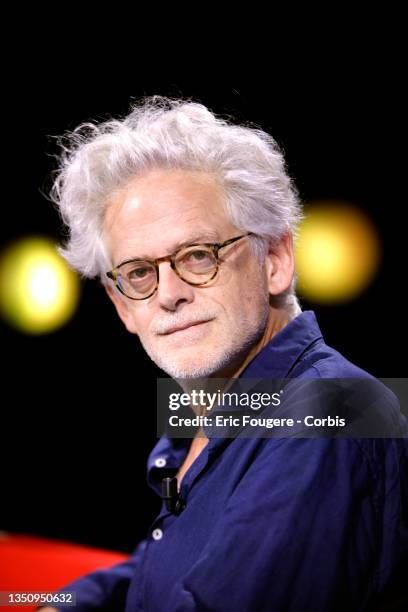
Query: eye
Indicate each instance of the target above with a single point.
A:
(199, 256)
(139, 272)
(198, 260)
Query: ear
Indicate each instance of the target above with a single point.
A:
(280, 264)
(122, 308)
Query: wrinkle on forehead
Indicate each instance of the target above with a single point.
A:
(170, 185)
(174, 203)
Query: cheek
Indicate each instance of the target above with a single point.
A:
(255, 299)
(253, 283)
(141, 321)
(246, 301)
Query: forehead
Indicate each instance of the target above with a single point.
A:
(155, 213)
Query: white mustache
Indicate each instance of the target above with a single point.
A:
(163, 326)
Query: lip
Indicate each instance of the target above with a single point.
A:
(183, 327)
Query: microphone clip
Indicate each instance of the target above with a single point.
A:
(174, 502)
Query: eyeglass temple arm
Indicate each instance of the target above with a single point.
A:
(231, 240)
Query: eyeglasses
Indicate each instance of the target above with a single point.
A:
(196, 264)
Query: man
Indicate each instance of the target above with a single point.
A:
(188, 220)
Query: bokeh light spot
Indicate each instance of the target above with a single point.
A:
(38, 291)
(337, 252)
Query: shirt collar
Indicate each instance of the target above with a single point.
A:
(278, 358)
(275, 361)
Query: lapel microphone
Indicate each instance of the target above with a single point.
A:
(174, 502)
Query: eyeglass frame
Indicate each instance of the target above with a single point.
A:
(214, 246)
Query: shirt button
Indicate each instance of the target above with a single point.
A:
(160, 462)
(157, 534)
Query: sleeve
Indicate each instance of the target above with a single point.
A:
(300, 532)
(106, 589)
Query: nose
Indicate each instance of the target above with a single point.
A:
(172, 291)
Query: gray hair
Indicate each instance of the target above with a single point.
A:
(97, 159)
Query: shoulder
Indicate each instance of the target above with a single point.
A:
(323, 361)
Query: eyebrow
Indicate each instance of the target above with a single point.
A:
(201, 237)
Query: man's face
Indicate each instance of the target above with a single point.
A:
(221, 321)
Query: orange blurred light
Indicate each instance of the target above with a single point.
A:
(337, 252)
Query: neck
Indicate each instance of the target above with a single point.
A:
(277, 319)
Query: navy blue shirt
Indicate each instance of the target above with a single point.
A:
(280, 524)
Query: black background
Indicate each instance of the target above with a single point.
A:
(78, 405)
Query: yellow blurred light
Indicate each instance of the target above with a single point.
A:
(337, 253)
(38, 291)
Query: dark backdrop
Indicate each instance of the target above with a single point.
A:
(78, 405)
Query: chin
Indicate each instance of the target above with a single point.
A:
(216, 366)
(189, 370)
(194, 364)
(199, 359)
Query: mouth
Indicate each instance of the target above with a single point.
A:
(174, 330)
